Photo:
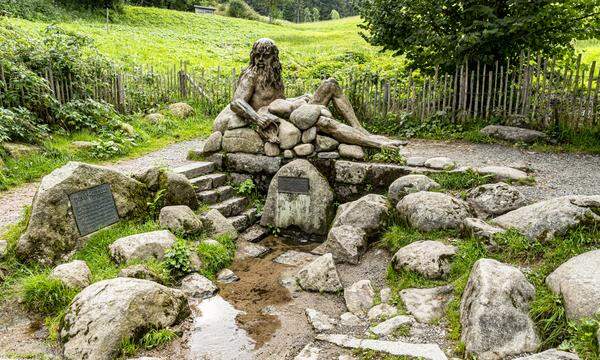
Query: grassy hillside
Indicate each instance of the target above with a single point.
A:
(161, 38)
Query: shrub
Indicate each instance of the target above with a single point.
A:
(334, 15)
(21, 125)
(177, 259)
(240, 9)
(87, 114)
(45, 295)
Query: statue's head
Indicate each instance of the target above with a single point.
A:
(264, 60)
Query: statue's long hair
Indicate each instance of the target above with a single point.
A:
(271, 76)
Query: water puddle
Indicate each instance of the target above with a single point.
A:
(216, 335)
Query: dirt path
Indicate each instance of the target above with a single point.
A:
(13, 201)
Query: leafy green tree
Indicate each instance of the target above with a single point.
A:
(334, 15)
(316, 15)
(446, 33)
(308, 16)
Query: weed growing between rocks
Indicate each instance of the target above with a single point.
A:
(45, 295)
(216, 257)
(460, 180)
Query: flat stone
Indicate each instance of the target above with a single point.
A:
(381, 312)
(242, 140)
(198, 287)
(503, 173)
(227, 276)
(429, 258)
(304, 149)
(511, 133)
(75, 274)
(294, 258)
(250, 250)
(146, 246)
(359, 297)
(416, 161)
(319, 321)
(289, 135)
(419, 351)
(551, 354)
(328, 155)
(427, 305)
(254, 234)
(410, 184)
(428, 211)
(253, 164)
(480, 229)
(351, 151)
(390, 325)
(320, 275)
(440, 163)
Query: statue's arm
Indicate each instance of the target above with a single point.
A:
(240, 104)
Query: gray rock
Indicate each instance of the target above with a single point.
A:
(427, 211)
(52, 232)
(359, 297)
(427, 305)
(551, 354)
(309, 352)
(83, 145)
(179, 219)
(181, 110)
(495, 199)
(386, 295)
(417, 351)
(305, 116)
(178, 191)
(310, 212)
(146, 246)
(410, 184)
(325, 143)
(309, 135)
(227, 276)
(328, 155)
(369, 213)
(351, 172)
(75, 274)
(320, 275)
(107, 312)
(381, 312)
(253, 164)
(346, 243)
(350, 320)
(289, 154)
(480, 229)
(390, 325)
(546, 219)
(225, 118)
(351, 151)
(577, 281)
(416, 161)
(219, 224)
(281, 108)
(272, 149)
(494, 312)
(139, 271)
(319, 321)
(304, 149)
(247, 250)
(289, 135)
(155, 118)
(503, 173)
(254, 233)
(511, 133)
(212, 143)
(294, 258)
(198, 287)
(429, 258)
(242, 140)
(440, 163)
(18, 150)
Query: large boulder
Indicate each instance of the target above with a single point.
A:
(409, 184)
(309, 210)
(346, 243)
(52, 232)
(369, 213)
(429, 258)
(75, 274)
(320, 275)
(179, 219)
(359, 297)
(178, 190)
(289, 135)
(511, 133)
(146, 246)
(110, 311)
(243, 140)
(494, 312)
(428, 211)
(305, 116)
(548, 218)
(495, 199)
(578, 282)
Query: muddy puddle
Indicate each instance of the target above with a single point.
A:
(259, 291)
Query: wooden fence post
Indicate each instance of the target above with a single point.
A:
(183, 84)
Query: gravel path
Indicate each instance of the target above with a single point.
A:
(556, 174)
(13, 201)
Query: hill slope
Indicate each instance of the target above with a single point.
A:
(161, 38)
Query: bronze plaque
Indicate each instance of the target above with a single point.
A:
(94, 209)
(293, 185)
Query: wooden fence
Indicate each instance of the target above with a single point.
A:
(534, 92)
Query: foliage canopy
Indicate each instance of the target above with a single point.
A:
(446, 33)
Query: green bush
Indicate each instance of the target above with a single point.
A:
(240, 9)
(45, 295)
(21, 125)
(334, 15)
(177, 259)
(87, 114)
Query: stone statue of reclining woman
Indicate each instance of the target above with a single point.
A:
(260, 84)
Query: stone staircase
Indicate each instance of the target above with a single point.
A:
(212, 189)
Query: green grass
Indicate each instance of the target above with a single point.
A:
(460, 180)
(58, 150)
(45, 295)
(216, 257)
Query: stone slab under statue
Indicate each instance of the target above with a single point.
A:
(259, 107)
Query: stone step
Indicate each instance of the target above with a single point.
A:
(231, 207)
(214, 196)
(209, 182)
(244, 220)
(195, 169)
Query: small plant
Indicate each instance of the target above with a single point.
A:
(155, 205)
(45, 295)
(177, 259)
(157, 338)
(246, 188)
(389, 156)
(460, 180)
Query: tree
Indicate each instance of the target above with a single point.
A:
(446, 33)
(307, 15)
(316, 15)
(334, 15)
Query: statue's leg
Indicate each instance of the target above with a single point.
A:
(330, 90)
(350, 135)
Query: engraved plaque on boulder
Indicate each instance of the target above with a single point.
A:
(293, 185)
(94, 209)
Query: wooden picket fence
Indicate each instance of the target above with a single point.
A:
(534, 92)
